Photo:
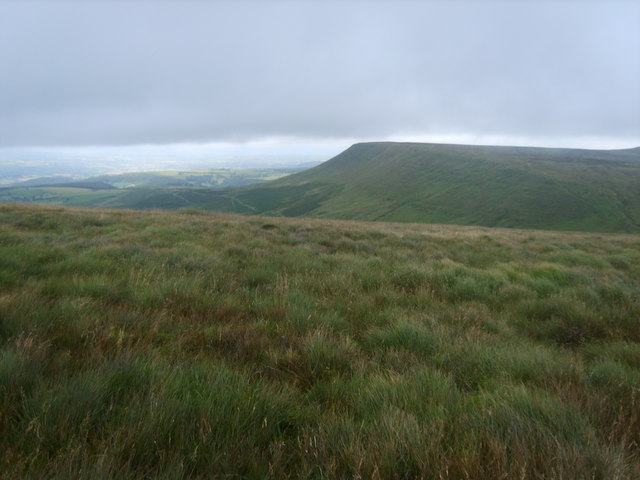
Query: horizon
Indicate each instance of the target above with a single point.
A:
(26, 163)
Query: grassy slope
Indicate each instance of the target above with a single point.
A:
(193, 345)
(518, 187)
(491, 186)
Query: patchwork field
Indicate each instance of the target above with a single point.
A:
(170, 189)
(201, 345)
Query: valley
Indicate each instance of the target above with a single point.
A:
(515, 187)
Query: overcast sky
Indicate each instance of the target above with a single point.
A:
(318, 72)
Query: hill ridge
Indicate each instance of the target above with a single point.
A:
(469, 145)
(528, 187)
(493, 186)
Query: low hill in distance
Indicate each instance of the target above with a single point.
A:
(202, 345)
(127, 188)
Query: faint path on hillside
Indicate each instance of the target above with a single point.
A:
(235, 200)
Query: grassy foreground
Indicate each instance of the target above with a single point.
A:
(190, 345)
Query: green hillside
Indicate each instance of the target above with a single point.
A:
(469, 185)
(516, 187)
(194, 345)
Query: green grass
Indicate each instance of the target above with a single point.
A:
(538, 188)
(203, 345)
(515, 187)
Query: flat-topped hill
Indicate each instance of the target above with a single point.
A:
(566, 189)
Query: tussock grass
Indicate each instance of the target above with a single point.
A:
(196, 345)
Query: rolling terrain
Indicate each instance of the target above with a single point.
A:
(129, 188)
(198, 345)
(516, 187)
(559, 189)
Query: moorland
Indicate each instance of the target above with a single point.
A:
(491, 186)
(190, 344)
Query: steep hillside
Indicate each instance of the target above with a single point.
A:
(491, 186)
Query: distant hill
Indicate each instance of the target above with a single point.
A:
(517, 187)
(524, 187)
(211, 177)
(130, 189)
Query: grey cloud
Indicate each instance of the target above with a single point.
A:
(158, 72)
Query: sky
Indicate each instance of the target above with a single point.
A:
(317, 74)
